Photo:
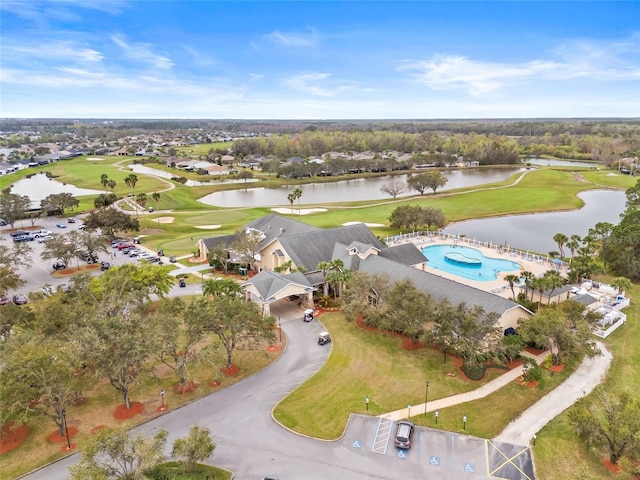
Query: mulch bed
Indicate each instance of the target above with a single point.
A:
(54, 437)
(272, 348)
(187, 387)
(520, 381)
(534, 351)
(614, 467)
(556, 368)
(12, 436)
(214, 383)
(97, 428)
(121, 413)
(230, 371)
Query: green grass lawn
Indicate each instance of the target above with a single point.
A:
(373, 364)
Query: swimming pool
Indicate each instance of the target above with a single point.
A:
(467, 262)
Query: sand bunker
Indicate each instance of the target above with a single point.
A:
(367, 224)
(164, 219)
(302, 211)
(208, 227)
(95, 159)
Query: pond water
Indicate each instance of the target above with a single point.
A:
(39, 187)
(349, 190)
(535, 231)
(485, 269)
(559, 163)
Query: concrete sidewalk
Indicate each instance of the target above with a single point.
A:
(481, 392)
(521, 430)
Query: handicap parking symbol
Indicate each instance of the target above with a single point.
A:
(356, 444)
(434, 461)
(402, 454)
(469, 467)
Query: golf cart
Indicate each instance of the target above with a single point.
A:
(324, 338)
(308, 315)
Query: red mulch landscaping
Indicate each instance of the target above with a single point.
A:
(556, 368)
(54, 437)
(232, 370)
(520, 381)
(614, 467)
(12, 436)
(272, 348)
(535, 351)
(122, 413)
(214, 383)
(97, 428)
(187, 387)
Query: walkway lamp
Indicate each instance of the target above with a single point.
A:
(162, 407)
(66, 427)
(409, 410)
(464, 422)
(426, 396)
(437, 414)
(366, 400)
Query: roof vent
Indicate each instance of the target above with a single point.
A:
(281, 229)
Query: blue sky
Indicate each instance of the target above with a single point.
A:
(319, 60)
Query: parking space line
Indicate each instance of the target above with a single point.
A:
(382, 436)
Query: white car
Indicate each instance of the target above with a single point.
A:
(41, 233)
(44, 238)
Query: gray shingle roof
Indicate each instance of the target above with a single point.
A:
(269, 284)
(310, 248)
(438, 287)
(406, 254)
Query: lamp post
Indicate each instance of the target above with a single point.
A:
(162, 407)
(426, 396)
(437, 413)
(464, 422)
(409, 409)
(66, 428)
(279, 329)
(366, 400)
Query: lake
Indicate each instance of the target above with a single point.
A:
(535, 231)
(39, 187)
(350, 190)
(559, 163)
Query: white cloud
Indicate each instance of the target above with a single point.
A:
(40, 12)
(55, 49)
(255, 77)
(142, 52)
(310, 39)
(318, 84)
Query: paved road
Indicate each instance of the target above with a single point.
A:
(589, 375)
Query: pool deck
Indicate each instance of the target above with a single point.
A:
(498, 286)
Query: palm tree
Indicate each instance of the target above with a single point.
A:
(297, 193)
(560, 239)
(111, 184)
(324, 267)
(512, 279)
(574, 244)
(554, 280)
(621, 283)
(540, 284)
(528, 278)
(131, 180)
(156, 198)
(291, 197)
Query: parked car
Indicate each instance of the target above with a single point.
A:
(182, 282)
(154, 260)
(4, 300)
(63, 287)
(122, 246)
(324, 338)
(71, 219)
(18, 233)
(61, 225)
(403, 434)
(82, 226)
(45, 238)
(23, 238)
(172, 259)
(134, 252)
(48, 290)
(3, 222)
(105, 266)
(20, 299)
(59, 265)
(86, 257)
(41, 233)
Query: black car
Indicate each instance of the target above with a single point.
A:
(71, 220)
(23, 238)
(59, 265)
(105, 266)
(20, 299)
(86, 257)
(182, 283)
(18, 233)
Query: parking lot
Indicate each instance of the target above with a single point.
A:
(39, 272)
(438, 454)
